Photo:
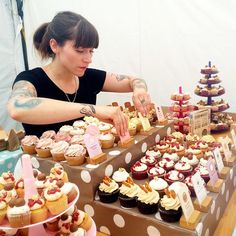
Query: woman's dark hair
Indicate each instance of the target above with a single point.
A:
(65, 26)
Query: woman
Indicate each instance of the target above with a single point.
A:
(64, 90)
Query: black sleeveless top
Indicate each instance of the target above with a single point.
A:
(90, 84)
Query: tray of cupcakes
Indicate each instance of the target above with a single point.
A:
(174, 159)
(55, 196)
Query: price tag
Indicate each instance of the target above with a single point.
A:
(225, 147)
(145, 122)
(159, 112)
(212, 171)
(199, 187)
(218, 158)
(182, 192)
(91, 141)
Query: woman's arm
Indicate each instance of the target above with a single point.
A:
(26, 107)
(124, 83)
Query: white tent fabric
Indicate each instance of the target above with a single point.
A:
(166, 42)
(10, 57)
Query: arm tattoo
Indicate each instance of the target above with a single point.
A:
(88, 110)
(121, 77)
(29, 104)
(139, 83)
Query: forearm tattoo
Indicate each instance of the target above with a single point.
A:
(121, 77)
(29, 104)
(23, 89)
(139, 83)
(88, 110)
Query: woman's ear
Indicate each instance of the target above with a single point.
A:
(54, 46)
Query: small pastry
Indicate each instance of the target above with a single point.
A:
(139, 170)
(58, 172)
(43, 147)
(106, 139)
(28, 144)
(159, 185)
(6, 178)
(48, 134)
(173, 176)
(120, 175)
(75, 155)
(68, 189)
(58, 149)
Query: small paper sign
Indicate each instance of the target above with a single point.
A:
(145, 122)
(125, 137)
(218, 158)
(159, 112)
(182, 192)
(233, 137)
(225, 147)
(212, 171)
(199, 187)
(91, 141)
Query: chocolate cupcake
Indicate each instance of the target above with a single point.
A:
(128, 193)
(108, 190)
(169, 207)
(148, 199)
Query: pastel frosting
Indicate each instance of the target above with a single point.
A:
(45, 143)
(113, 186)
(59, 147)
(49, 134)
(75, 150)
(170, 203)
(18, 210)
(29, 140)
(120, 175)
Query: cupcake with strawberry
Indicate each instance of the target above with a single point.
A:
(166, 164)
(150, 161)
(173, 176)
(156, 171)
(139, 170)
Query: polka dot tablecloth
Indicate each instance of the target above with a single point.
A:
(8, 160)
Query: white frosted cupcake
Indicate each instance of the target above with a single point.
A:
(159, 185)
(120, 175)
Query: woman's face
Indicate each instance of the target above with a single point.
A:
(75, 60)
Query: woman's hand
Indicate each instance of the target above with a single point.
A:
(142, 101)
(115, 116)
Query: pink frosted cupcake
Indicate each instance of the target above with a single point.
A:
(77, 139)
(49, 134)
(60, 136)
(150, 161)
(75, 155)
(28, 144)
(43, 147)
(66, 129)
(58, 149)
(80, 124)
(77, 132)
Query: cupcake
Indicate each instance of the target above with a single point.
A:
(18, 213)
(64, 224)
(114, 133)
(104, 127)
(68, 189)
(173, 176)
(203, 172)
(195, 151)
(40, 183)
(108, 190)
(43, 147)
(75, 155)
(148, 199)
(188, 182)
(20, 188)
(137, 122)
(128, 193)
(170, 139)
(52, 225)
(58, 172)
(77, 131)
(171, 154)
(153, 152)
(77, 139)
(184, 168)
(155, 171)
(166, 164)
(169, 207)
(48, 134)
(58, 149)
(178, 148)
(191, 139)
(66, 129)
(106, 139)
(56, 201)
(10, 192)
(6, 178)
(79, 124)
(202, 145)
(178, 136)
(203, 161)
(190, 159)
(3, 209)
(60, 136)
(139, 170)
(28, 144)
(159, 185)
(82, 219)
(132, 128)
(162, 146)
(50, 182)
(39, 212)
(150, 161)
(120, 175)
